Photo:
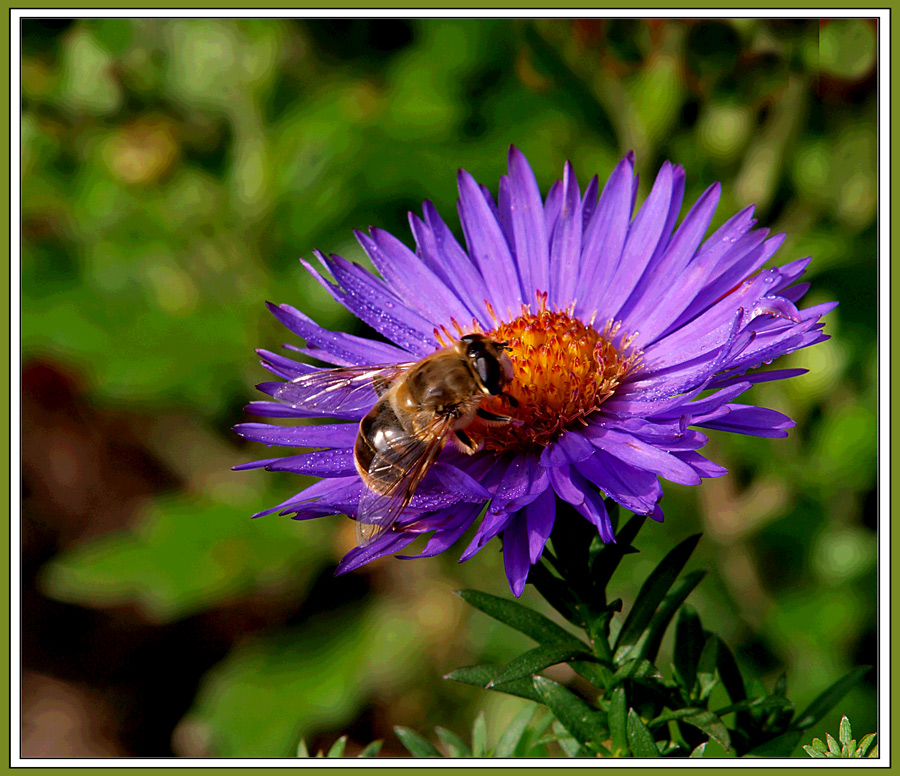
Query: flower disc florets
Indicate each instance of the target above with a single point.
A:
(564, 370)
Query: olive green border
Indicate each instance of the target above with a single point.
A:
(885, 165)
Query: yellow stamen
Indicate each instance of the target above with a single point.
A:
(564, 370)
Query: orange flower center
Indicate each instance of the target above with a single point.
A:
(564, 370)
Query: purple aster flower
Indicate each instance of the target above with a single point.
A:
(629, 339)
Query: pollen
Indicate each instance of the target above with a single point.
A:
(564, 370)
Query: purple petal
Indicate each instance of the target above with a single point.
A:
(655, 286)
(643, 237)
(604, 237)
(453, 524)
(565, 247)
(594, 510)
(703, 466)
(342, 349)
(411, 279)
(539, 517)
(753, 421)
(515, 555)
(634, 451)
(487, 246)
(491, 524)
(459, 482)
(368, 298)
(331, 435)
(528, 227)
(568, 484)
(386, 544)
(441, 252)
(321, 463)
(635, 489)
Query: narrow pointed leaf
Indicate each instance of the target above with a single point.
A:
(689, 640)
(819, 745)
(699, 750)
(479, 736)
(864, 745)
(512, 736)
(844, 731)
(652, 593)
(812, 752)
(833, 745)
(521, 618)
(416, 745)
(302, 750)
(618, 722)
(729, 672)
(636, 670)
(706, 666)
(372, 749)
(710, 724)
(482, 676)
(827, 699)
(640, 739)
(537, 659)
(648, 645)
(583, 721)
(454, 744)
(769, 702)
(338, 747)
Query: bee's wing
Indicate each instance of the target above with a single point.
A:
(378, 511)
(345, 388)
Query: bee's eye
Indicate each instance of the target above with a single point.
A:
(488, 369)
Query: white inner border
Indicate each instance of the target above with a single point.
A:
(884, 727)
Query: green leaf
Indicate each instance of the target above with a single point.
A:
(833, 745)
(455, 745)
(583, 721)
(706, 666)
(372, 749)
(689, 640)
(828, 698)
(874, 752)
(640, 739)
(512, 736)
(729, 672)
(483, 676)
(479, 736)
(648, 645)
(710, 724)
(617, 719)
(781, 746)
(636, 670)
(699, 750)
(845, 733)
(338, 747)
(770, 701)
(302, 751)
(416, 745)
(812, 752)
(523, 619)
(864, 745)
(651, 595)
(537, 659)
(819, 745)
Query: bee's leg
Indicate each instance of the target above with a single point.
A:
(465, 443)
(494, 418)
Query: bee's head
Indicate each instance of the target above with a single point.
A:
(489, 361)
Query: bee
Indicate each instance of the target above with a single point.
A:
(419, 407)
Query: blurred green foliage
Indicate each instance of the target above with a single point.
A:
(173, 170)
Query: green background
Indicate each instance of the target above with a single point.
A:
(172, 173)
